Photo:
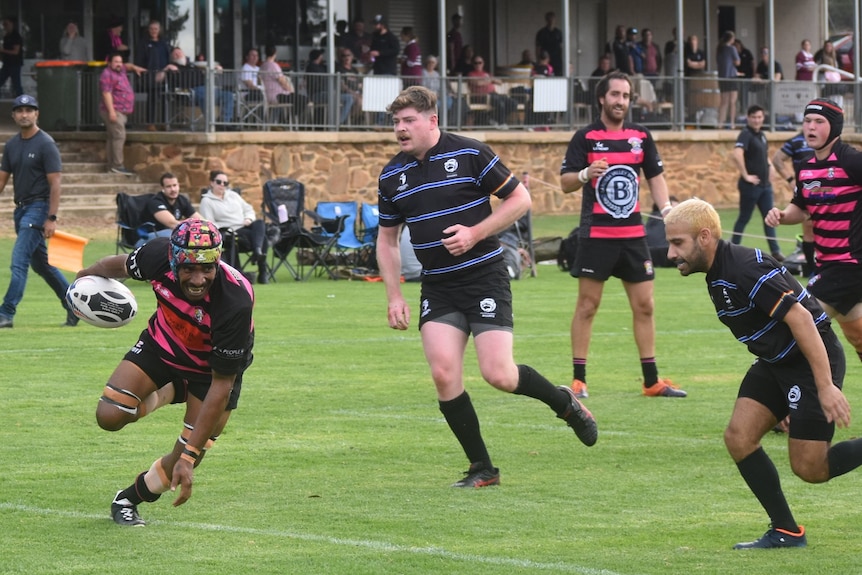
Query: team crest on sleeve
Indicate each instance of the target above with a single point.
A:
(617, 191)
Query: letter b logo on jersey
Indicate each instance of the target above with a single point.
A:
(617, 191)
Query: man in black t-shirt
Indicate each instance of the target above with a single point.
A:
(194, 350)
(440, 185)
(798, 372)
(169, 207)
(751, 157)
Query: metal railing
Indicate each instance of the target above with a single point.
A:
(343, 102)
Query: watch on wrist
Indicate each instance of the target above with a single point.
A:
(789, 178)
(52, 217)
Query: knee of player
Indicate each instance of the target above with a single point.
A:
(116, 408)
(809, 471)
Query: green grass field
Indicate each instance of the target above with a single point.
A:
(338, 460)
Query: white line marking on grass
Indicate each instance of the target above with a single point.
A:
(339, 541)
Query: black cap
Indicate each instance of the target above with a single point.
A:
(632, 31)
(379, 19)
(25, 100)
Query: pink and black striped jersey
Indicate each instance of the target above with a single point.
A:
(830, 191)
(199, 337)
(610, 206)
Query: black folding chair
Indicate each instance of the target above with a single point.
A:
(133, 227)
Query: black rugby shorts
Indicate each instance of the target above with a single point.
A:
(480, 298)
(599, 259)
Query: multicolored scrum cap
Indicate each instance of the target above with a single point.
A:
(833, 114)
(194, 242)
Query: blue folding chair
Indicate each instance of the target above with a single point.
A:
(347, 245)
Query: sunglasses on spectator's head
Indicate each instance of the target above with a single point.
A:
(222, 182)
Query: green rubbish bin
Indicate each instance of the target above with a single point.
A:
(58, 86)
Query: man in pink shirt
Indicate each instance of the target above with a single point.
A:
(117, 103)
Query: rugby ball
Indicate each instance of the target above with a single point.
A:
(101, 302)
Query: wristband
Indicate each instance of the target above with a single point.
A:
(190, 454)
(666, 208)
(789, 178)
(584, 175)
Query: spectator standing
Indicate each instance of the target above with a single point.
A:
(695, 58)
(153, 55)
(384, 49)
(751, 158)
(277, 86)
(671, 54)
(550, 39)
(32, 159)
(359, 42)
(454, 44)
(228, 210)
(11, 55)
(465, 286)
(73, 46)
(620, 50)
(805, 63)
(799, 370)
(636, 54)
(115, 106)
(744, 71)
(114, 41)
(411, 59)
(651, 54)
(612, 238)
(727, 59)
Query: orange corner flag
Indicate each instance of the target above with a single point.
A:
(66, 251)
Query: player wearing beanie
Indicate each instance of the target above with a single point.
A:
(829, 191)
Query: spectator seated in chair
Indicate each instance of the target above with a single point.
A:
(168, 208)
(226, 209)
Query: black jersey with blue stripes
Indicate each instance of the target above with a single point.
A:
(453, 185)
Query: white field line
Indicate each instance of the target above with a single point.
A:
(372, 545)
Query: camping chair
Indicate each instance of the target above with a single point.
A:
(284, 207)
(369, 216)
(133, 228)
(349, 250)
(335, 227)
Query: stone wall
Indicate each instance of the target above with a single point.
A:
(345, 166)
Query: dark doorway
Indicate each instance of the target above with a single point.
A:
(726, 19)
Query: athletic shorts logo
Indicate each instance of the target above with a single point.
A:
(488, 307)
(426, 307)
(793, 397)
(450, 165)
(617, 191)
(648, 268)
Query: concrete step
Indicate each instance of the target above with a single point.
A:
(99, 177)
(83, 168)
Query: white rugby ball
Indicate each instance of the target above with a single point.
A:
(102, 302)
